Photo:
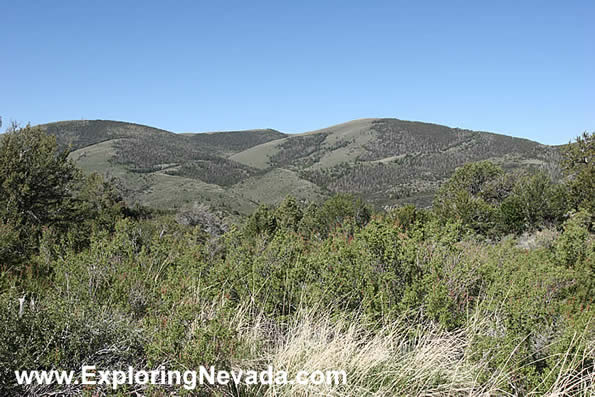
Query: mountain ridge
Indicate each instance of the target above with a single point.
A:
(387, 161)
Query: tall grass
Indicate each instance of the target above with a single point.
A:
(398, 359)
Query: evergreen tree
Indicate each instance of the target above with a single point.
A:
(36, 188)
(578, 166)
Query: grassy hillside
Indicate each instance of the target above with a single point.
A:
(158, 189)
(387, 161)
(304, 148)
(273, 186)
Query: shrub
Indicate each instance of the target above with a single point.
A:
(535, 201)
(471, 194)
(56, 334)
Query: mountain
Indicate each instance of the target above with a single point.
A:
(387, 161)
(390, 160)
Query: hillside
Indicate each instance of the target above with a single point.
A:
(390, 160)
(162, 169)
(387, 161)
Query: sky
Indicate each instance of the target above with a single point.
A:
(521, 68)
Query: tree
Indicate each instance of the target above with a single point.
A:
(472, 195)
(200, 215)
(289, 214)
(36, 182)
(578, 164)
(340, 209)
(262, 221)
(535, 201)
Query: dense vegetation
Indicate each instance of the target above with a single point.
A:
(218, 171)
(396, 137)
(489, 291)
(227, 142)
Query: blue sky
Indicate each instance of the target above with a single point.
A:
(524, 68)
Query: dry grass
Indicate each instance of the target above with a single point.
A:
(395, 359)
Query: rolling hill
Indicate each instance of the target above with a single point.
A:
(387, 161)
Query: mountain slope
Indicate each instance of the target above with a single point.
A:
(387, 161)
(305, 146)
(231, 142)
(380, 140)
(82, 133)
(158, 189)
(162, 169)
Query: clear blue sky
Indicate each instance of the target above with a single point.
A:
(524, 68)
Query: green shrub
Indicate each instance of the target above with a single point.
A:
(535, 202)
(56, 334)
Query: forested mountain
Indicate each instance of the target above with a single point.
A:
(387, 161)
